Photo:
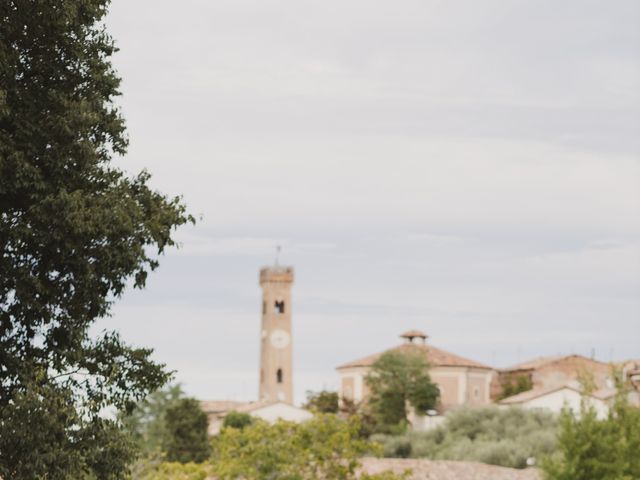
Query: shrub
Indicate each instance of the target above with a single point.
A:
(324, 447)
(489, 435)
(175, 471)
(238, 420)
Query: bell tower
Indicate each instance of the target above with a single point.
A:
(275, 343)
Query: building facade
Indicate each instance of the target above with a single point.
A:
(461, 381)
(552, 372)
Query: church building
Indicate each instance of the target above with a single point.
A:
(275, 389)
(461, 381)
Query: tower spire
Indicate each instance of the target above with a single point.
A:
(278, 251)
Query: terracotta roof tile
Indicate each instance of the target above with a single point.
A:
(601, 394)
(542, 361)
(531, 394)
(435, 356)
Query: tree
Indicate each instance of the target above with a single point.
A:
(398, 379)
(324, 447)
(147, 423)
(74, 232)
(238, 420)
(40, 438)
(323, 402)
(589, 447)
(186, 439)
(512, 385)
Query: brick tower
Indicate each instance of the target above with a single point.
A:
(276, 382)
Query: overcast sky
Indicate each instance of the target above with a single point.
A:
(468, 168)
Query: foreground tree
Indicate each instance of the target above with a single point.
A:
(324, 447)
(74, 232)
(186, 432)
(399, 379)
(590, 447)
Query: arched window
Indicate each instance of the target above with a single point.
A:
(279, 306)
(279, 376)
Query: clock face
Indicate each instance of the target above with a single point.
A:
(279, 339)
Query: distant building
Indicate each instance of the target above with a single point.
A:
(268, 411)
(556, 398)
(547, 373)
(461, 381)
(631, 372)
(276, 366)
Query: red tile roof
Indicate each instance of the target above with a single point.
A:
(542, 361)
(435, 357)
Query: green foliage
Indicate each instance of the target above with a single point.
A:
(146, 422)
(186, 426)
(396, 379)
(589, 448)
(43, 436)
(512, 385)
(175, 471)
(324, 447)
(74, 232)
(323, 402)
(489, 435)
(238, 420)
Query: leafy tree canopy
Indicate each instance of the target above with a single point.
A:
(147, 423)
(590, 447)
(186, 437)
(514, 384)
(323, 401)
(74, 232)
(398, 379)
(324, 447)
(235, 419)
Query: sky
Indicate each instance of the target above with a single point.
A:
(470, 169)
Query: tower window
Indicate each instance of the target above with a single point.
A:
(279, 306)
(279, 376)
(264, 307)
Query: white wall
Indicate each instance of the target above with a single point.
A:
(556, 401)
(276, 411)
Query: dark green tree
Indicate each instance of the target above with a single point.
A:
(147, 423)
(74, 232)
(235, 419)
(186, 439)
(514, 384)
(323, 402)
(399, 379)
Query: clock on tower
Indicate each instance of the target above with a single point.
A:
(275, 343)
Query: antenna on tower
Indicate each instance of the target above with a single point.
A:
(278, 250)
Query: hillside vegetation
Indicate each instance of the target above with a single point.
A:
(488, 435)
